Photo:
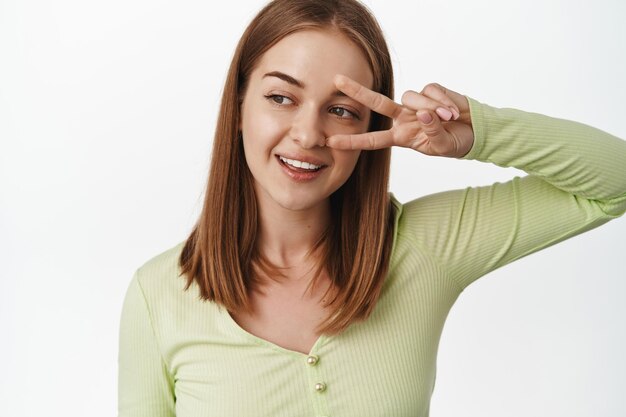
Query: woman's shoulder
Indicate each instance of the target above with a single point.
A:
(431, 209)
(157, 297)
(164, 261)
(161, 274)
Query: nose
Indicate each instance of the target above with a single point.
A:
(307, 129)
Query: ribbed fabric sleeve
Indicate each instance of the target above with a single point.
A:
(142, 370)
(576, 181)
(183, 356)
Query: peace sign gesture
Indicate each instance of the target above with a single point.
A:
(434, 122)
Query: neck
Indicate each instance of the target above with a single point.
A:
(287, 236)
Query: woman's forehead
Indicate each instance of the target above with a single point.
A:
(314, 57)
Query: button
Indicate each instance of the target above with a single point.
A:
(312, 360)
(320, 386)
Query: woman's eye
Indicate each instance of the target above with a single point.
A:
(343, 113)
(278, 99)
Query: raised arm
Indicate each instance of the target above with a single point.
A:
(576, 181)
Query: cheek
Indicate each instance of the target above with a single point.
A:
(347, 161)
(261, 130)
(261, 121)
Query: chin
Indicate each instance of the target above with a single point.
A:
(297, 205)
(297, 202)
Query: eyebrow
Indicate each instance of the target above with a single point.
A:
(289, 79)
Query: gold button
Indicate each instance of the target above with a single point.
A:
(312, 360)
(320, 386)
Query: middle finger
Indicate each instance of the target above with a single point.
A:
(416, 101)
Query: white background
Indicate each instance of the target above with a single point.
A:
(107, 112)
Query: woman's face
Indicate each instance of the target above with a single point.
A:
(290, 107)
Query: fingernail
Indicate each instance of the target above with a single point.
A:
(456, 113)
(445, 114)
(425, 117)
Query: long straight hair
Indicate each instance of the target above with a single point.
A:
(221, 254)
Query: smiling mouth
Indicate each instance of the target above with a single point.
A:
(299, 166)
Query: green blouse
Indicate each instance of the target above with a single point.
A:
(180, 356)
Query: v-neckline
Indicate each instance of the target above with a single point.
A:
(322, 339)
(319, 342)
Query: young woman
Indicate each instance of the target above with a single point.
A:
(305, 289)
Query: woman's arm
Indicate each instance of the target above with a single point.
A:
(572, 156)
(577, 177)
(576, 181)
(145, 386)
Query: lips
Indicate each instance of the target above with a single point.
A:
(305, 166)
(300, 174)
(303, 158)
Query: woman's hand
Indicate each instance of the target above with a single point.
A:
(434, 122)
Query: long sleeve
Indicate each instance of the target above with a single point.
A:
(145, 387)
(576, 181)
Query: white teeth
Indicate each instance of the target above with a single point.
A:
(299, 164)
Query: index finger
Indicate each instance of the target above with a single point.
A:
(368, 140)
(375, 101)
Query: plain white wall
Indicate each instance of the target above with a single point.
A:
(106, 121)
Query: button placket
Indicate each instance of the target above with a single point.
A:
(317, 383)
